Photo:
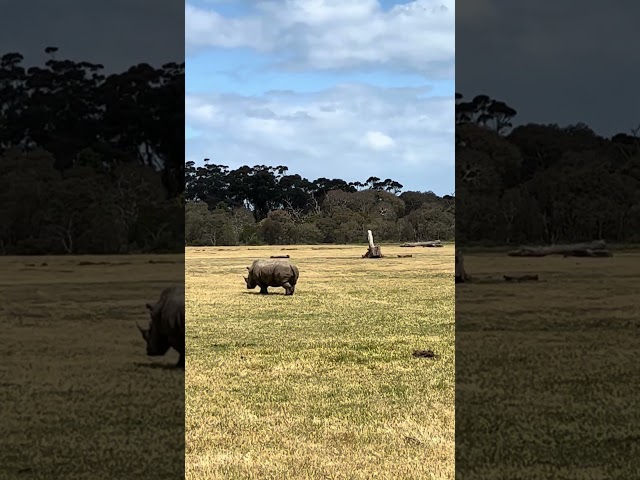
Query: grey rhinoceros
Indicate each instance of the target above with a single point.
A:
(166, 328)
(272, 273)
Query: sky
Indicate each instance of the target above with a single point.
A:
(116, 34)
(330, 88)
(565, 63)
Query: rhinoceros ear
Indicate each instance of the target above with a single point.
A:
(248, 268)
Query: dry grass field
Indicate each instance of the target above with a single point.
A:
(79, 399)
(548, 360)
(321, 384)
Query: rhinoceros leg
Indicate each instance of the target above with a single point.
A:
(288, 288)
(263, 289)
(180, 363)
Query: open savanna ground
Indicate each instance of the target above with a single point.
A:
(548, 360)
(79, 398)
(321, 384)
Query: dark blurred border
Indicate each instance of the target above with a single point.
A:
(91, 229)
(547, 222)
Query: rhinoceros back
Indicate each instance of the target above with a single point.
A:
(168, 316)
(274, 273)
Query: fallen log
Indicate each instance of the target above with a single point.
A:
(588, 253)
(373, 251)
(279, 256)
(434, 243)
(520, 278)
(597, 248)
(405, 256)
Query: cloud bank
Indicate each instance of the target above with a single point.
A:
(394, 133)
(336, 34)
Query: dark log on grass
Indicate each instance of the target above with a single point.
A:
(461, 274)
(520, 278)
(373, 251)
(434, 243)
(588, 253)
(279, 256)
(424, 354)
(597, 248)
(405, 256)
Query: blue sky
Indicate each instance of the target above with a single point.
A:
(330, 88)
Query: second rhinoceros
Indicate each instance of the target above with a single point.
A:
(166, 328)
(272, 273)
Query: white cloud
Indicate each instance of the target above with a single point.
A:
(337, 34)
(208, 28)
(378, 140)
(351, 131)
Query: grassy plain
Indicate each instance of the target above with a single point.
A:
(79, 399)
(548, 360)
(321, 384)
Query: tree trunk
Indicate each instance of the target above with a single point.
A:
(373, 251)
(597, 248)
(461, 274)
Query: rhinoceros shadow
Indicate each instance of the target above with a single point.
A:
(160, 366)
(282, 293)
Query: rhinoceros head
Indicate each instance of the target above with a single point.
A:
(157, 344)
(250, 281)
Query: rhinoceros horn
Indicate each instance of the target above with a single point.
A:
(143, 331)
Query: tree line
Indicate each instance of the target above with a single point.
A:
(90, 162)
(268, 205)
(540, 183)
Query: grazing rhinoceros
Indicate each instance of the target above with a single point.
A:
(272, 273)
(166, 328)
